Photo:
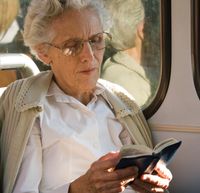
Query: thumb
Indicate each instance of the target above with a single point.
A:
(115, 155)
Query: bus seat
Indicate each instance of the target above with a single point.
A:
(15, 66)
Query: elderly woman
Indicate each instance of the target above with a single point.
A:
(61, 129)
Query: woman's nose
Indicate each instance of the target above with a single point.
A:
(87, 53)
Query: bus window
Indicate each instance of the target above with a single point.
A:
(196, 43)
(136, 56)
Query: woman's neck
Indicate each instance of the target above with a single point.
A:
(84, 96)
(134, 53)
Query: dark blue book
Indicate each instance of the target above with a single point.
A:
(146, 158)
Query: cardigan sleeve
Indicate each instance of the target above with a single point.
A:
(30, 172)
(1, 124)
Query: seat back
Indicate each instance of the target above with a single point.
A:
(18, 66)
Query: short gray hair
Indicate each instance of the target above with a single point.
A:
(126, 15)
(42, 12)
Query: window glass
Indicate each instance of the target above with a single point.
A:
(135, 47)
(196, 43)
(134, 57)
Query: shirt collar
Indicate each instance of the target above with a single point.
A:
(36, 88)
(33, 91)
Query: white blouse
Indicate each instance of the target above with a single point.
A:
(72, 136)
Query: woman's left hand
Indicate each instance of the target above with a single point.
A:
(149, 183)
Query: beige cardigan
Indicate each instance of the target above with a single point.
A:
(21, 103)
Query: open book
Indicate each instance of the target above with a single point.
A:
(145, 158)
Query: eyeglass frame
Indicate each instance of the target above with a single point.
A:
(81, 44)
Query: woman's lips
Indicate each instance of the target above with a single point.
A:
(88, 71)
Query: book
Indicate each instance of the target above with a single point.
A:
(146, 158)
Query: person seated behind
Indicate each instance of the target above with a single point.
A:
(61, 129)
(124, 67)
(8, 11)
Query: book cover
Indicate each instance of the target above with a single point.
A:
(146, 158)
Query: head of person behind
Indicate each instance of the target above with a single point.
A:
(70, 37)
(8, 12)
(128, 19)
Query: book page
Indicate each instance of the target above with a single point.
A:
(135, 150)
(161, 145)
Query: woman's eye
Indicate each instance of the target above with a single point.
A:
(71, 44)
(96, 39)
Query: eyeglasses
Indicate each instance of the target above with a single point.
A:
(73, 47)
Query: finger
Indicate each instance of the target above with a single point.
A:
(115, 190)
(163, 172)
(113, 186)
(106, 162)
(110, 155)
(112, 180)
(126, 173)
(144, 187)
(129, 173)
(156, 180)
(141, 190)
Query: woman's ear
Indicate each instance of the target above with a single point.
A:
(140, 29)
(42, 53)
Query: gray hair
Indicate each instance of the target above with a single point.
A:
(126, 15)
(42, 12)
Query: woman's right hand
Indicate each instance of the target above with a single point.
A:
(102, 178)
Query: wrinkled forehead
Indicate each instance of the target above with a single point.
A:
(76, 23)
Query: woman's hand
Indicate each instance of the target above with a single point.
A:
(149, 183)
(102, 178)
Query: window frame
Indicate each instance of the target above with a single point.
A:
(165, 38)
(195, 41)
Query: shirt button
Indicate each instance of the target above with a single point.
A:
(95, 145)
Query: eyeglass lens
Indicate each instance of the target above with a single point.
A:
(75, 46)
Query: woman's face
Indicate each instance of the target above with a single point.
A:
(76, 74)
